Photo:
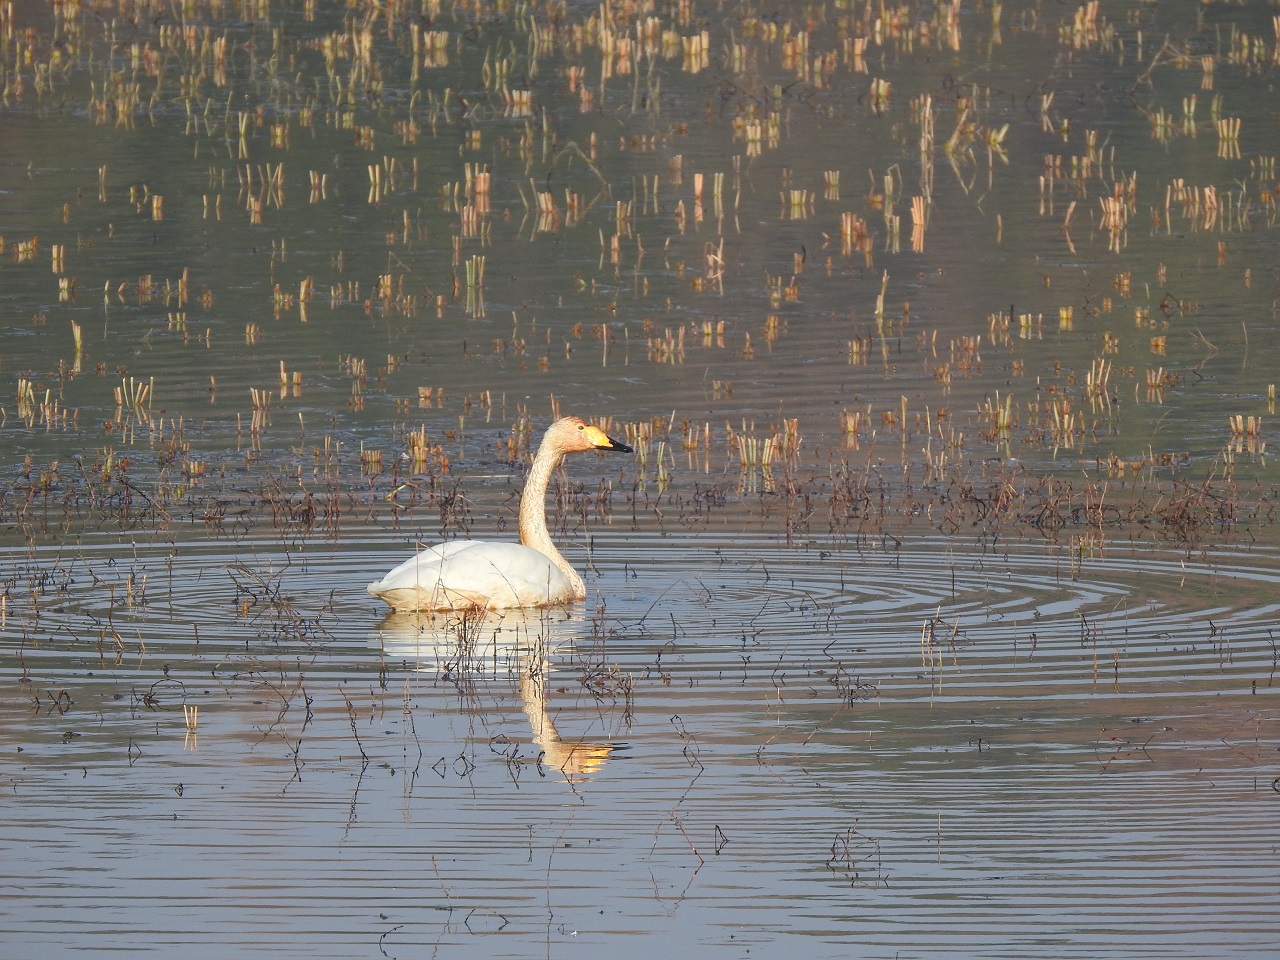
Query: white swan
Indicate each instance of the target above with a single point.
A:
(467, 574)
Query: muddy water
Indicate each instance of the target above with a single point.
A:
(735, 745)
(983, 664)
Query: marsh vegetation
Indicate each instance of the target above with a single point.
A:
(933, 615)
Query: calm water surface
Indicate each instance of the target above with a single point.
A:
(940, 682)
(737, 746)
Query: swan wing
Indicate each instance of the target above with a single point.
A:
(463, 574)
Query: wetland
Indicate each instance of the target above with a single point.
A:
(935, 613)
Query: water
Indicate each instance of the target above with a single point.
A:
(916, 679)
(737, 745)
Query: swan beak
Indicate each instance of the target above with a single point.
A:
(602, 441)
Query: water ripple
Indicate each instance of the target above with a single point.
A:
(808, 746)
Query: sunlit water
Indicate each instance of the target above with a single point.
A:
(734, 746)
(787, 721)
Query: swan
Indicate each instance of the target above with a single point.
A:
(479, 574)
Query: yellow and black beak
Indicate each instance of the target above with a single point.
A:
(602, 441)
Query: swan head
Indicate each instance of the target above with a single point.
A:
(575, 435)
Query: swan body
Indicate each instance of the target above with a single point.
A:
(463, 574)
(480, 574)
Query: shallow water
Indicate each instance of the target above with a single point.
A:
(741, 746)
(932, 682)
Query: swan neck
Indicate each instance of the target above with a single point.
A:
(533, 514)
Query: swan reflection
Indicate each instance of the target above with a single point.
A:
(478, 646)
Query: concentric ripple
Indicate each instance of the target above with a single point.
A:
(1021, 622)
(1029, 619)
(799, 745)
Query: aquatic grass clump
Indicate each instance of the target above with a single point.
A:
(365, 104)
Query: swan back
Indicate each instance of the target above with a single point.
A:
(464, 574)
